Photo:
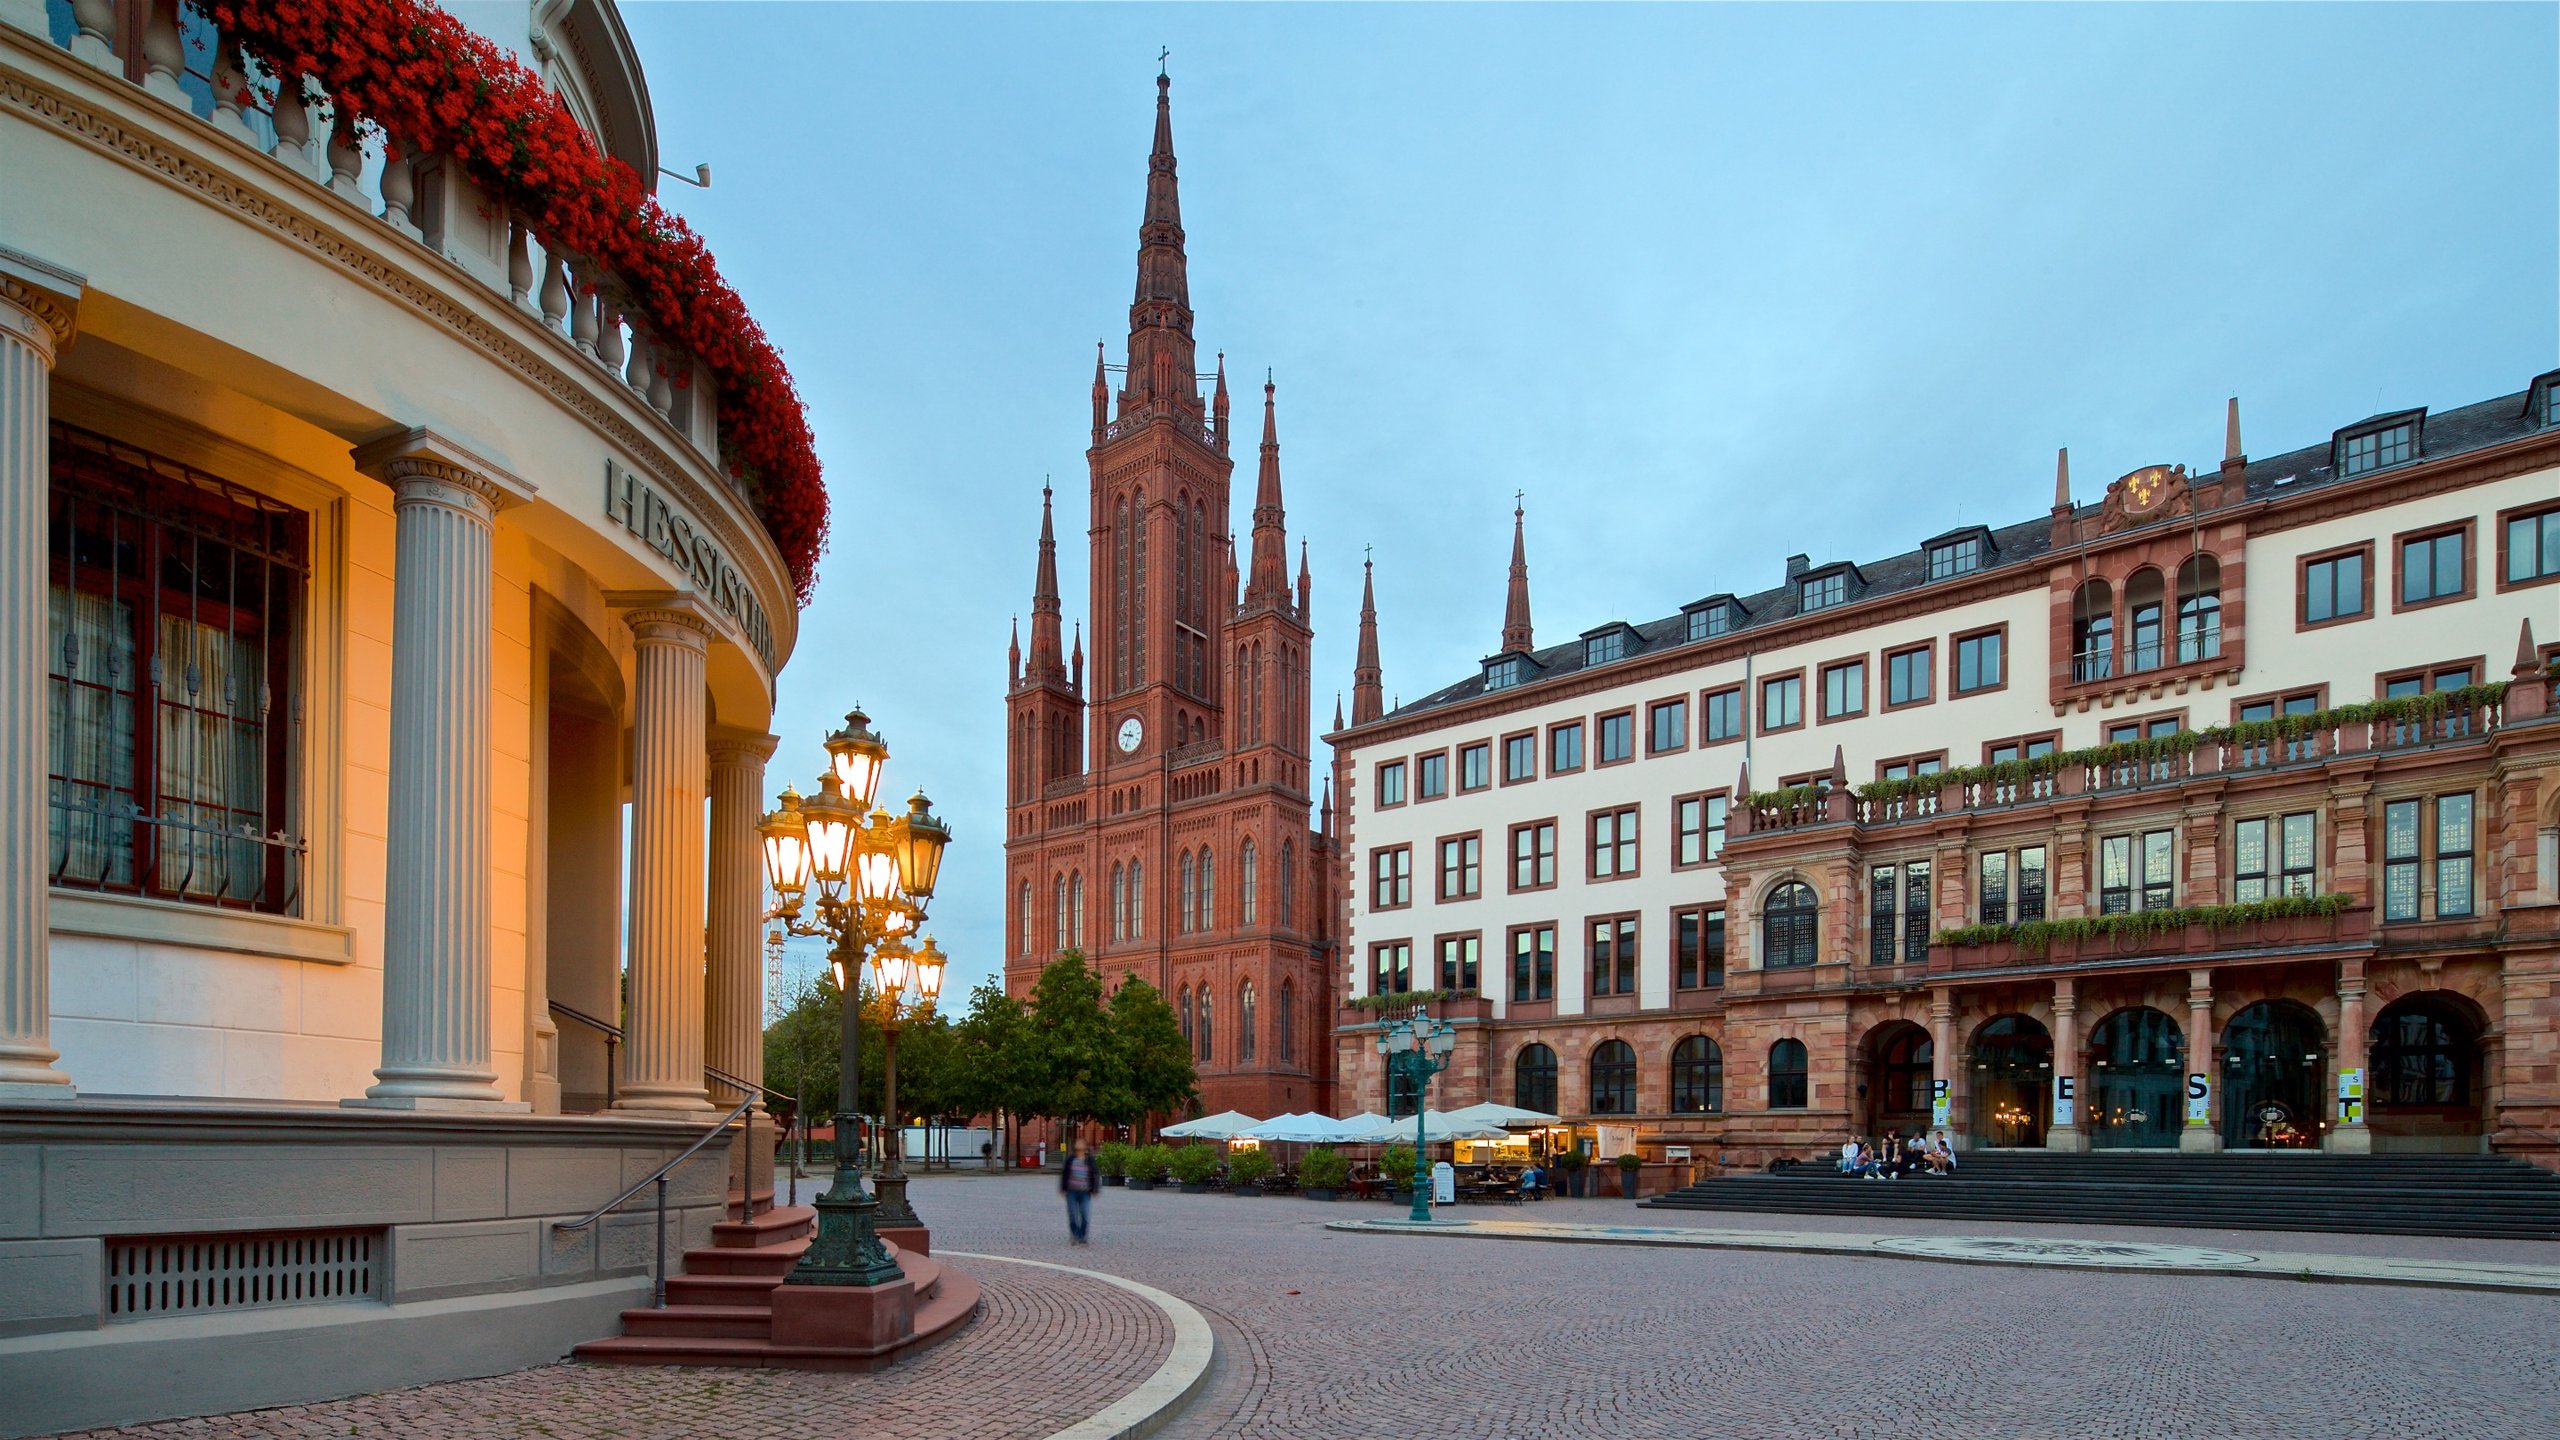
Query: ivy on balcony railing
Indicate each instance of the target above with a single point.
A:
(427, 84)
(1400, 999)
(2034, 937)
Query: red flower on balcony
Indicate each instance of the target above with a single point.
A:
(431, 86)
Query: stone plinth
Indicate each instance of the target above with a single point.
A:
(856, 1321)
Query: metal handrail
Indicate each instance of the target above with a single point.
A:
(613, 1032)
(658, 1279)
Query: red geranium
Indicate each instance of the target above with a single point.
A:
(433, 86)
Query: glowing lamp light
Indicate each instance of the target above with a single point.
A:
(892, 967)
(929, 963)
(920, 849)
(876, 880)
(786, 847)
(855, 756)
(832, 824)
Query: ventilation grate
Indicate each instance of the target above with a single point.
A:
(203, 1274)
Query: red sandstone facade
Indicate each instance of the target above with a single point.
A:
(1158, 802)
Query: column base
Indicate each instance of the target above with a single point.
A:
(2199, 1140)
(665, 1103)
(454, 1103)
(39, 1092)
(2350, 1140)
(2065, 1138)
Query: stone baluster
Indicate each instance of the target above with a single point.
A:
(636, 374)
(662, 390)
(95, 41)
(583, 298)
(662, 1054)
(733, 1012)
(231, 91)
(555, 290)
(37, 307)
(399, 191)
(2199, 1135)
(346, 157)
(164, 53)
(519, 263)
(293, 124)
(609, 349)
(435, 940)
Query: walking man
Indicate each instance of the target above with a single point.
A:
(1078, 1178)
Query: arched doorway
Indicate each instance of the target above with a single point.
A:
(1899, 1059)
(2137, 1082)
(2422, 1091)
(2273, 1064)
(2012, 1083)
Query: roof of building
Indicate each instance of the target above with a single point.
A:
(2450, 432)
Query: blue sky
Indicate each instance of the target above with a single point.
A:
(1711, 284)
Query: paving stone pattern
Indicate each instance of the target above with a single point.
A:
(1046, 1350)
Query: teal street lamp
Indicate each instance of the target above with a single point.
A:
(1417, 1047)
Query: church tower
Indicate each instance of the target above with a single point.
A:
(1167, 835)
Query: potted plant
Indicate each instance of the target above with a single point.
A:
(1321, 1174)
(1628, 1164)
(1194, 1164)
(1397, 1166)
(1147, 1166)
(1245, 1170)
(1569, 1164)
(1113, 1161)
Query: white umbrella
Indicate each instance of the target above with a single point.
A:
(1225, 1125)
(1437, 1125)
(1303, 1129)
(1490, 1113)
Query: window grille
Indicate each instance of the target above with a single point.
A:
(155, 1275)
(174, 704)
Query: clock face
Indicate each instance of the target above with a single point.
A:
(1131, 732)
(2143, 489)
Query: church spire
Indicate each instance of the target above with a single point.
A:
(1306, 583)
(1515, 606)
(1367, 695)
(1162, 363)
(1101, 395)
(1268, 582)
(1013, 656)
(1047, 661)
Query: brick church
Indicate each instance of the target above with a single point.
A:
(1159, 802)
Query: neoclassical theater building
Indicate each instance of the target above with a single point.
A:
(380, 624)
(2214, 809)
(1158, 802)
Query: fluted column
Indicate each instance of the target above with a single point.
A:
(35, 320)
(662, 1050)
(733, 1011)
(435, 923)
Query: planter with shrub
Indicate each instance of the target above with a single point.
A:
(1397, 1166)
(1193, 1165)
(1245, 1170)
(1112, 1159)
(1321, 1174)
(1570, 1165)
(1628, 1165)
(1147, 1165)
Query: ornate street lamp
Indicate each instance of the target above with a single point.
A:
(1417, 1047)
(908, 982)
(839, 876)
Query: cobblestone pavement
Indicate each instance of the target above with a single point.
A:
(1327, 1335)
(1047, 1349)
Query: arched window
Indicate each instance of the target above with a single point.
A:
(1182, 583)
(1075, 904)
(2274, 1068)
(1286, 1022)
(1288, 883)
(2142, 605)
(1058, 911)
(1613, 1078)
(1137, 899)
(1788, 1087)
(1245, 883)
(1787, 937)
(1022, 914)
(1188, 1043)
(1119, 902)
(1533, 1079)
(1120, 598)
(1208, 1030)
(1208, 915)
(1697, 1077)
(1244, 1021)
(2010, 1080)
(2424, 1053)
(1190, 890)
(2199, 609)
(2093, 631)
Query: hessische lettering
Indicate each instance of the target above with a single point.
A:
(672, 533)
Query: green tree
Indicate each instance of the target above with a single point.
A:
(1149, 1039)
(803, 1050)
(1075, 1070)
(992, 1043)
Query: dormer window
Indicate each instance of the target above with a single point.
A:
(1709, 621)
(2379, 446)
(1821, 592)
(2542, 407)
(1603, 648)
(1504, 671)
(1951, 558)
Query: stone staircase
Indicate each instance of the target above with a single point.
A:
(719, 1312)
(2488, 1197)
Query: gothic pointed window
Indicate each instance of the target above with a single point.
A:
(1244, 1022)
(1022, 917)
(1058, 911)
(1285, 1024)
(1119, 902)
(1138, 590)
(1188, 1043)
(1137, 899)
(1247, 875)
(1288, 883)
(1208, 913)
(1189, 893)
(1208, 1028)
(1075, 903)
(1120, 597)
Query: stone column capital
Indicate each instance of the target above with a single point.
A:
(730, 746)
(665, 617)
(425, 468)
(39, 302)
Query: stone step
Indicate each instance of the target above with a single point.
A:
(773, 1260)
(701, 1322)
(778, 1226)
(739, 1336)
(722, 1289)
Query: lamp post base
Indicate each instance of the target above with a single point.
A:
(891, 1188)
(846, 1250)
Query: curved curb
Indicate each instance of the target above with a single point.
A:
(1979, 1250)
(1160, 1396)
